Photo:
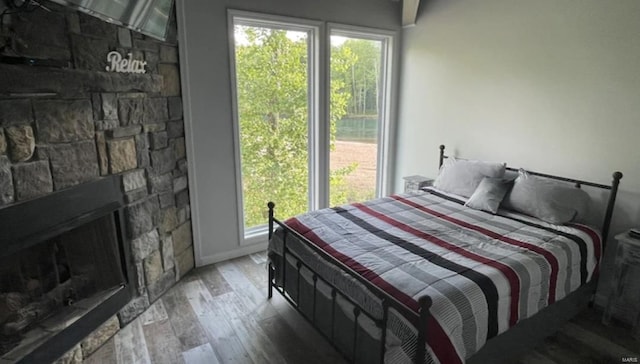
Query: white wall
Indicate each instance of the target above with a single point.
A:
(553, 86)
(205, 72)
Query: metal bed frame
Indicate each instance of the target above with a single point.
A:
(420, 318)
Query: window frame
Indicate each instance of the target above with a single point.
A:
(385, 99)
(256, 234)
(319, 54)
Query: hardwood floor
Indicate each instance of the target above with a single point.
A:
(220, 314)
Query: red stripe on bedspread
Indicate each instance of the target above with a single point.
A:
(553, 262)
(512, 277)
(436, 337)
(597, 244)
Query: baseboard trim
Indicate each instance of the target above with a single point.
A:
(245, 250)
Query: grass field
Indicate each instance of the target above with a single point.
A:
(361, 183)
(362, 128)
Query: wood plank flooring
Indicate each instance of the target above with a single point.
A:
(220, 314)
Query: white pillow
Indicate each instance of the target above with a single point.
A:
(489, 194)
(462, 176)
(551, 201)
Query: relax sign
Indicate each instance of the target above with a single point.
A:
(117, 63)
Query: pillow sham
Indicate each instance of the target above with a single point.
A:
(462, 176)
(489, 194)
(548, 200)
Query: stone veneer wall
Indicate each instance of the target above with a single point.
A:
(72, 122)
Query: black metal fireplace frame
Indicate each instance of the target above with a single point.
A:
(31, 222)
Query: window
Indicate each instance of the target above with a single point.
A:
(290, 137)
(358, 75)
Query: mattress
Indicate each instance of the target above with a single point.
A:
(484, 272)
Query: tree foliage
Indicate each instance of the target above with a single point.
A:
(360, 77)
(272, 87)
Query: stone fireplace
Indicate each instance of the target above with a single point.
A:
(61, 276)
(66, 123)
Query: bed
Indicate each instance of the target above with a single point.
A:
(440, 275)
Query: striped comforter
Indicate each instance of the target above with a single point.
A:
(483, 272)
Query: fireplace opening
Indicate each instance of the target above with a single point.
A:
(46, 286)
(61, 275)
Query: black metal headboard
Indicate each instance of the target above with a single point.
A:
(613, 188)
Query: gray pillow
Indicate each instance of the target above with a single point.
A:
(551, 201)
(489, 194)
(462, 176)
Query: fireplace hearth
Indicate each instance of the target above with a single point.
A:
(63, 269)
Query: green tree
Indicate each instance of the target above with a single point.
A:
(272, 79)
(361, 76)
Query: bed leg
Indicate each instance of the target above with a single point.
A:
(356, 314)
(333, 313)
(315, 289)
(298, 278)
(270, 285)
(383, 326)
(271, 206)
(592, 300)
(421, 351)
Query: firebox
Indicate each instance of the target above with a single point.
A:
(64, 269)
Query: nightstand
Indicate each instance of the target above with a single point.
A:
(627, 254)
(414, 183)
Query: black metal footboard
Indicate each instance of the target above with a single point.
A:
(418, 319)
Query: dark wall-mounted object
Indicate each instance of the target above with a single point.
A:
(149, 17)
